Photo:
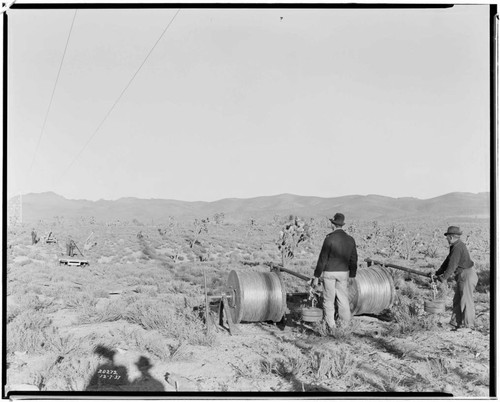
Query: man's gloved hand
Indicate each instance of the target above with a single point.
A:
(314, 282)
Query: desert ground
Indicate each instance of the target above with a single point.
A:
(134, 319)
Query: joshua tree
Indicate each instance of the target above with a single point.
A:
(199, 227)
(293, 233)
(219, 218)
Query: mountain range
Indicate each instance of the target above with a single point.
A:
(46, 206)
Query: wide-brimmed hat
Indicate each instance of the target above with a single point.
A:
(143, 363)
(453, 230)
(338, 219)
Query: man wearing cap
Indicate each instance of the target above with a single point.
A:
(459, 263)
(338, 261)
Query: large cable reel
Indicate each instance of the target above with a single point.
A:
(261, 296)
(256, 296)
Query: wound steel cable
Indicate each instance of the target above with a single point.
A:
(119, 97)
(258, 296)
(372, 291)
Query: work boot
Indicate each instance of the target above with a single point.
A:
(330, 330)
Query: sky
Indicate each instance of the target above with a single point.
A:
(240, 103)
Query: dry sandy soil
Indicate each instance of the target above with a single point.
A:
(77, 329)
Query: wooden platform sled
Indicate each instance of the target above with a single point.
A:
(73, 261)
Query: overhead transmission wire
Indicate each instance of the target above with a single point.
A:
(52, 95)
(119, 97)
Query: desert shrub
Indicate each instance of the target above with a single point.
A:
(33, 289)
(234, 257)
(148, 314)
(183, 287)
(35, 254)
(63, 345)
(409, 317)
(474, 347)
(181, 324)
(78, 299)
(397, 277)
(106, 251)
(217, 285)
(29, 331)
(71, 374)
(153, 344)
(285, 367)
(333, 364)
(40, 375)
(149, 279)
(399, 241)
(150, 342)
(482, 297)
(247, 257)
(134, 280)
(344, 333)
(147, 290)
(189, 278)
(247, 369)
(197, 271)
(437, 367)
(432, 245)
(13, 312)
(483, 283)
(34, 302)
(113, 311)
(410, 290)
(340, 333)
(259, 256)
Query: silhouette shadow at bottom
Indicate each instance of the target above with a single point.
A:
(146, 382)
(112, 377)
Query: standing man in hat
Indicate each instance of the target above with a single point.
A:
(338, 261)
(70, 247)
(459, 263)
(34, 236)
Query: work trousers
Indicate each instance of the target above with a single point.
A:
(335, 288)
(464, 312)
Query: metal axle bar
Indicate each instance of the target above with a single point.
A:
(300, 276)
(386, 264)
(279, 267)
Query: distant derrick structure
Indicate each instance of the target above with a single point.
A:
(15, 211)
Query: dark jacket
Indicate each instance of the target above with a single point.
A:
(458, 257)
(338, 254)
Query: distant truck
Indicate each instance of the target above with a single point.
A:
(73, 262)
